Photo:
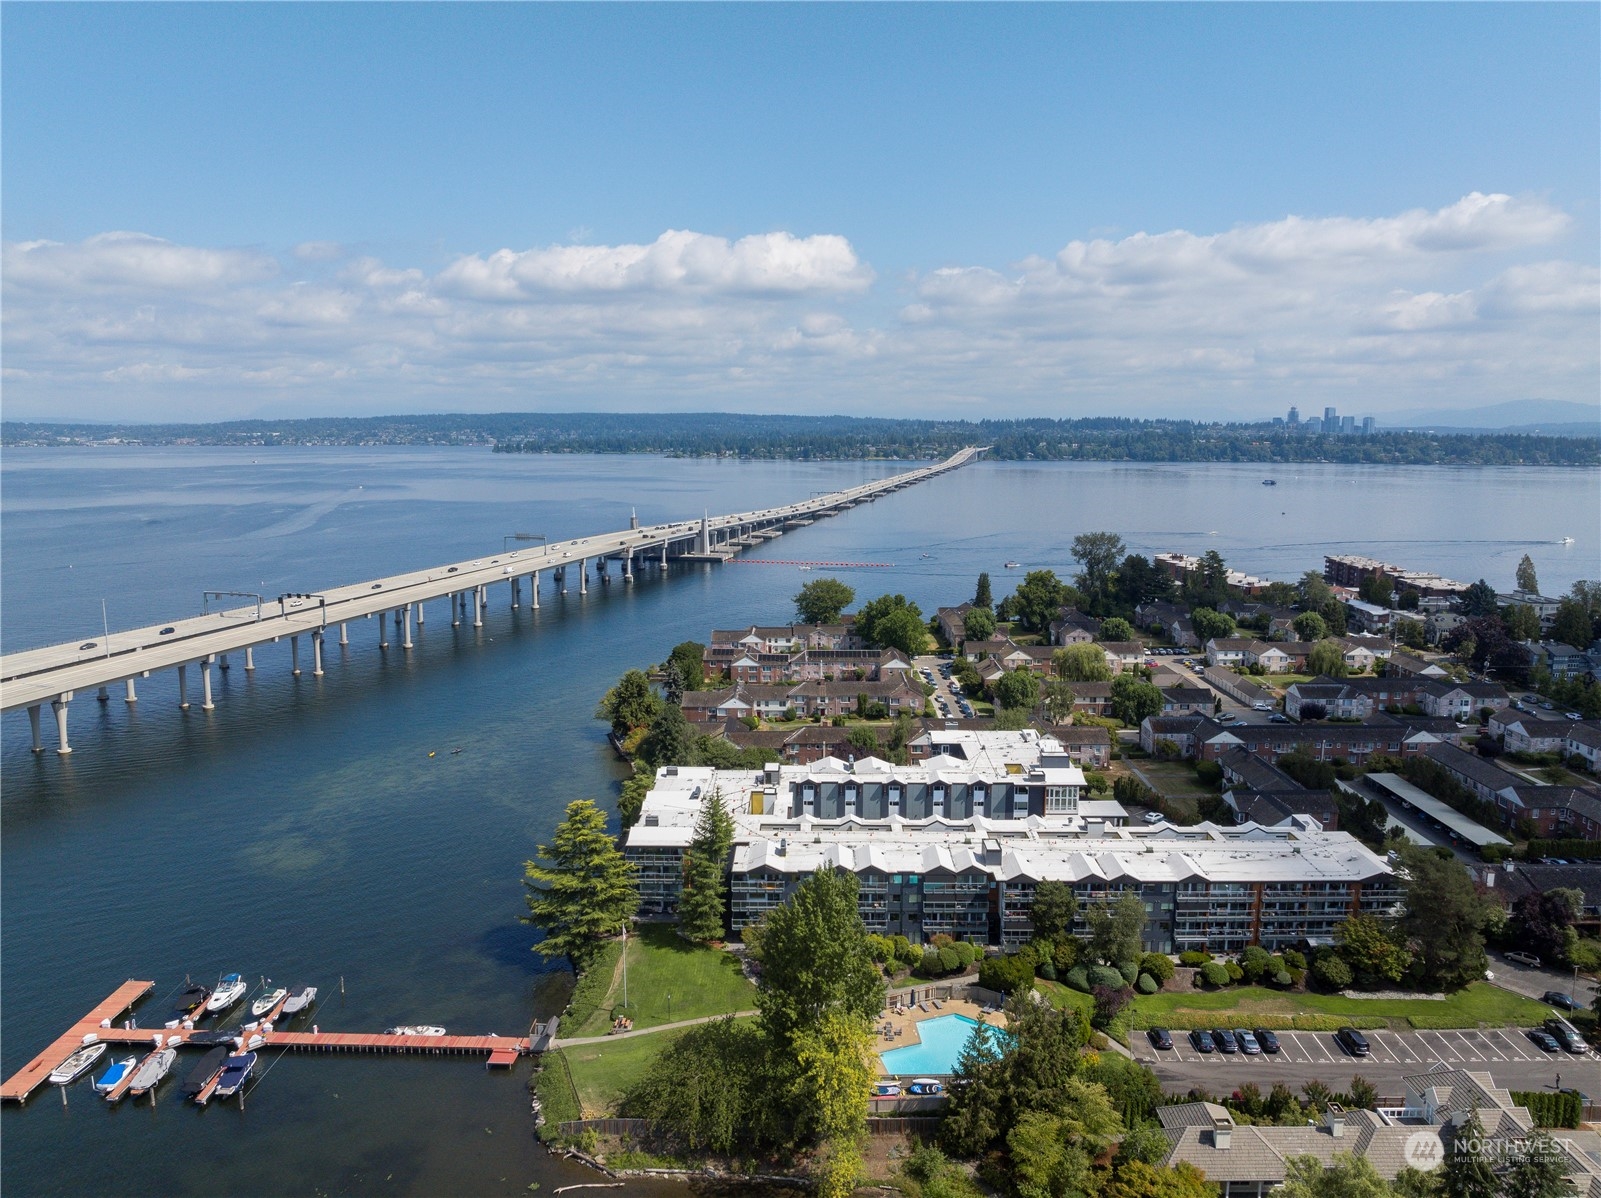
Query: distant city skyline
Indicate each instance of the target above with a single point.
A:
(216, 212)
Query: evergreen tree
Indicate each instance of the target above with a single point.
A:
(982, 597)
(586, 893)
(1053, 909)
(700, 910)
(673, 684)
(1527, 579)
(821, 601)
(1538, 1168)
(972, 1110)
(1444, 919)
(670, 741)
(1466, 1172)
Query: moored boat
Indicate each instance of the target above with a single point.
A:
(202, 1074)
(77, 1064)
(112, 1077)
(268, 1001)
(229, 991)
(1014, 565)
(193, 999)
(300, 997)
(414, 1029)
(151, 1070)
(235, 1072)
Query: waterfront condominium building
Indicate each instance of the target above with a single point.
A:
(957, 842)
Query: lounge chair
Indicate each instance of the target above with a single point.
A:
(938, 1006)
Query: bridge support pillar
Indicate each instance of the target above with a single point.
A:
(344, 637)
(250, 657)
(516, 593)
(183, 688)
(205, 685)
(383, 632)
(455, 609)
(664, 557)
(533, 590)
(478, 607)
(33, 726)
(59, 706)
(130, 697)
(583, 577)
(294, 656)
(419, 613)
(103, 695)
(628, 566)
(222, 662)
(316, 654)
(406, 644)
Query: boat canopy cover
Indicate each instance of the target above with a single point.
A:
(205, 1071)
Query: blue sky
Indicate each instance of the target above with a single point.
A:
(279, 209)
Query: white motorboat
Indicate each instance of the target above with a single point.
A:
(77, 1064)
(267, 1001)
(300, 997)
(112, 1077)
(415, 1029)
(151, 1070)
(229, 991)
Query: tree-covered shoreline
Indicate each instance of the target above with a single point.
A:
(842, 438)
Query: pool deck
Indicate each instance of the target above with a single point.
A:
(906, 1024)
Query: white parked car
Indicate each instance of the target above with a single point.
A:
(1153, 817)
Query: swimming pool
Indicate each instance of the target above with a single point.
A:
(941, 1043)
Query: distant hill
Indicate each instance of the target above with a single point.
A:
(1553, 417)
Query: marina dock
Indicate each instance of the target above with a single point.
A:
(498, 1051)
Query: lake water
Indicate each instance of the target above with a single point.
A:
(300, 831)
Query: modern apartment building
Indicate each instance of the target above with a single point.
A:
(957, 842)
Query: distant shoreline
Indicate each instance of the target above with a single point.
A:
(840, 438)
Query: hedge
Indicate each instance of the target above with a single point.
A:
(558, 1099)
(1588, 850)
(1185, 1020)
(1551, 1108)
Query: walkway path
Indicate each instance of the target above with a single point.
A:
(645, 1031)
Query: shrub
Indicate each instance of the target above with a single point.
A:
(1194, 959)
(1105, 976)
(1077, 978)
(1282, 978)
(1130, 970)
(1109, 1004)
(1159, 966)
(929, 965)
(1332, 972)
(1235, 973)
(1213, 973)
(1208, 773)
(1046, 970)
(949, 960)
(1294, 959)
(1007, 974)
(879, 948)
(1146, 984)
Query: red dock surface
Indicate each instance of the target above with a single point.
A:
(499, 1050)
(23, 1083)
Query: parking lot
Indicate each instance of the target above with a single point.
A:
(1478, 1049)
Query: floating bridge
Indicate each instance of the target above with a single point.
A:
(52, 676)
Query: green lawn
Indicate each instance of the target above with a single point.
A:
(603, 1073)
(1174, 779)
(1478, 1003)
(670, 979)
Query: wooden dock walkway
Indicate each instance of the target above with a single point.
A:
(499, 1051)
(22, 1083)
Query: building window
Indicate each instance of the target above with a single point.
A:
(1056, 798)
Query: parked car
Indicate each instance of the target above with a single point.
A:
(1161, 1038)
(1248, 1044)
(1202, 1041)
(1556, 998)
(1523, 958)
(1226, 1043)
(1565, 1034)
(1353, 1041)
(1153, 817)
(1261, 705)
(1544, 1041)
(1268, 1041)
(1278, 717)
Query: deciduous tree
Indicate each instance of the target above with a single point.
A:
(1097, 554)
(1081, 663)
(1017, 690)
(1116, 629)
(1572, 624)
(1326, 657)
(582, 892)
(822, 600)
(1038, 598)
(978, 624)
(690, 658)
(1310, 626)
(1116, 929)
(1133, 700)
(1370, 950)
(1209, 624)
(631, 704)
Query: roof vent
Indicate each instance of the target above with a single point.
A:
(652, 821)
(1222, 1133)
(1334, 1119)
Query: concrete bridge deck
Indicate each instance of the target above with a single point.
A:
(54, 674)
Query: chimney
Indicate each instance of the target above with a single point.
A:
(1334, 1119)
(1222, 1132)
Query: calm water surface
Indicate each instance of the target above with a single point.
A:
(301, 831)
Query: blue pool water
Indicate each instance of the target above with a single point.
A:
(942, 1039)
